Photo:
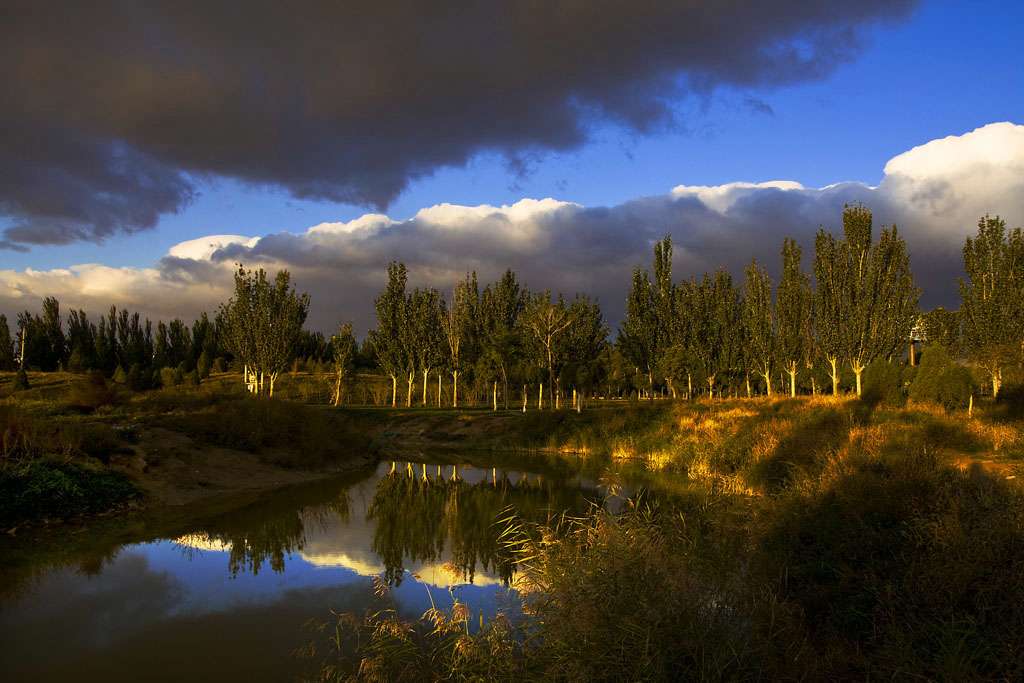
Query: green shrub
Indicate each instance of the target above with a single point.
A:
(956, 387)
(883, 385)
(1011, 399)
(56, 489)
(204, 365)
(192, 379)
(134, 378)
(20, 381)
(120, 376)
(91, 392)
(928, 381)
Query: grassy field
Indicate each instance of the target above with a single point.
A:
(817, 539)
(809, 538)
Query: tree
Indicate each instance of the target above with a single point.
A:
(426, 343)
(638, 334)
(458, 323)
(389, 336)
(6, 345)
(717, 327)
(263, 322)
(793, 306)
(866, 303)
(880, 291)
(343, 346)
(942, 327)
(992, 308)
(500, 341)
(546, 321)
(830, 302)
(759, 320)
(581, 346)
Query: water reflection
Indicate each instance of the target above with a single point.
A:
(89, 592)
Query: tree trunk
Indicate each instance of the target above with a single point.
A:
(408, 396)
(495, 394)
(337, 389)
(455, 388)
(524, 398)
(792, 380)
(650, 384)
(425, 387)
(394, 390)
(273, 377)
(689, 386)
(711, 386)
(504, 385)
(834, 362)
(439, 389)
(540, 397)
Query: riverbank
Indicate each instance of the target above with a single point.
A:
(84, 446)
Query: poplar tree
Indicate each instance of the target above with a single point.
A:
(458, 322)
(759, 321)
(717, 326)
(793, 312)
(880, 291)
(263, 322)
(546, 321)
(830, 302)
(343, 346)
(388, 337)
(942, 326)
(500, 308)
(638, 335)
(6, 345)
(427, 335)
(992, 308)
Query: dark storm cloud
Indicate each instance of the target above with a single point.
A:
(111, 110)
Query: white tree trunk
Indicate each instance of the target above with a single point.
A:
(495, 395)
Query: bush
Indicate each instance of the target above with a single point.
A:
(134, 378)
(91, 392)
(20, 381)
(56, 489)
(1011, 398)
(940, 380)
(203, 365)
(192, 378)
(170, 377)
(883, 385)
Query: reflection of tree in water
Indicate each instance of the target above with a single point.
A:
(416, 514)
(268, 533)
(409, 511)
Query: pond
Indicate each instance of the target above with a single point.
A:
(221, 590)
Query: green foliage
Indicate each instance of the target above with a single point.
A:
(52, 488)
(992, 307)
(883, 385)
(92, 392)
(263, 321)
(20, 381)
(204, 365)
(939, 380)
(120, 376)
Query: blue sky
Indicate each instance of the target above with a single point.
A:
(944, 70)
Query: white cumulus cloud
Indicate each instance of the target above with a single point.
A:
(935, 193)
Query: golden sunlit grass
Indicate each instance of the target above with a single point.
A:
(827, 540)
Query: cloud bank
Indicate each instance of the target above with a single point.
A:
(113, 110)
(934, 193)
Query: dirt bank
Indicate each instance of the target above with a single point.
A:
(173, 469)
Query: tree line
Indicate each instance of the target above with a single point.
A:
(712, 336)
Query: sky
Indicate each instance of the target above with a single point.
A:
(145, 148)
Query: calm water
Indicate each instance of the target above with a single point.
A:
(221, 591)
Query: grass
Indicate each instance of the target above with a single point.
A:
(819, 540)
